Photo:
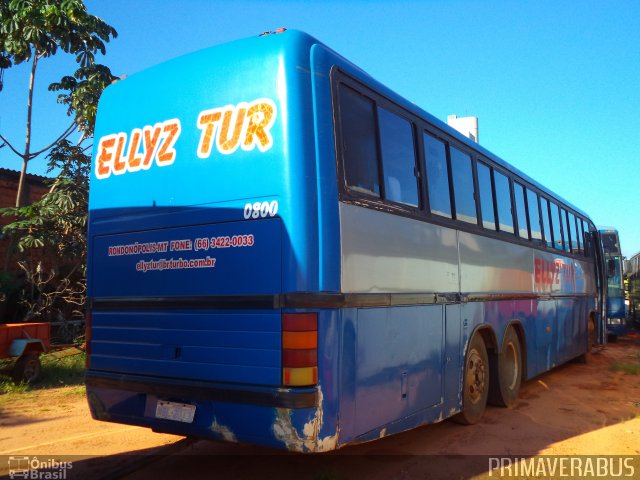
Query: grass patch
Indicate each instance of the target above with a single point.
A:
(56, 372)
(630, 368)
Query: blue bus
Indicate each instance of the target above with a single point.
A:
(285, 252)
(615, 312)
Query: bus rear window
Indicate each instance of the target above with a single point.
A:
(437, 176)
(359, 147)
(398, 158)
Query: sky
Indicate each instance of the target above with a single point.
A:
(554, 84)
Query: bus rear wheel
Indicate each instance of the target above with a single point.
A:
(507, 369)
(475, 382)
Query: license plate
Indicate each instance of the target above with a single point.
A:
(180, 412)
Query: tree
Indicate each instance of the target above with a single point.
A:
(31, 30)
(56, 224)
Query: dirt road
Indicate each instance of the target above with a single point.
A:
(575, 409)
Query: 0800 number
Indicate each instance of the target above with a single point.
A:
(261, 209)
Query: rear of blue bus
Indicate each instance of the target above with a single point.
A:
(203, 232)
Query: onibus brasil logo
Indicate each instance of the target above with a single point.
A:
(34, 468)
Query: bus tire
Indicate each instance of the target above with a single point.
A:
(506, 370)
(26, 369)
(475, 382)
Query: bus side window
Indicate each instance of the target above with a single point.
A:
(437, 175)
(398, 158)
(359, 147)
(534, 215)
(578, 228)
(503, 201)
(585, 236)
(546, 221)
(521, 211)
(486, 196)
(557, 230)
(463, 190)
(575, 246)
(565, 230)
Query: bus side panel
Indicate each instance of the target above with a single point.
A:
(347, 363)
(322, 59)
(498, 314)
(546, 333)
(382, 252)
(568, 316)
(454, 355)
(329, 355)
(488, 265)
(399, 363)
(525, 313)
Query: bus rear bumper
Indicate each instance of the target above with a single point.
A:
(274, 417)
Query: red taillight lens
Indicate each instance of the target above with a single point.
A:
(299, 349)
(300, 358)
(87, 339)
(299, 322)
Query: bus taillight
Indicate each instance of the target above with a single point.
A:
(299, 349)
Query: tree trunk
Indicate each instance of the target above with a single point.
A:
(27, 146)
(25, 160)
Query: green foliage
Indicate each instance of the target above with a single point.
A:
(628, 368)
(56, 225)
(41, 27)
(34, 29)
(58, 221)
(631, 367)
(84, 90)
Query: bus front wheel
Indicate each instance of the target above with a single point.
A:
(475, 382)
(507, 369)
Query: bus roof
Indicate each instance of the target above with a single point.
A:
(295, 39)
(297, 36)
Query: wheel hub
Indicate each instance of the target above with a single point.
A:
(476, 376)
